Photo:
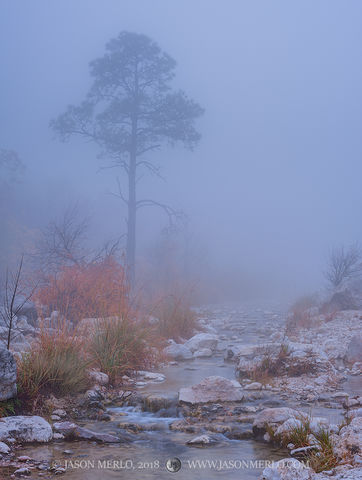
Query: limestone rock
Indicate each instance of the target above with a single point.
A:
(212, 389)
(71, 431)
(99, 378)
(273, 417)
(354, 350)
(202, 340)
(287, 469)
(25, 429)
(177, 351)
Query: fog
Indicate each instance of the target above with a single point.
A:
(274, 183)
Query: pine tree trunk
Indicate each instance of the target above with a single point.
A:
(131, 227)
(132, 207)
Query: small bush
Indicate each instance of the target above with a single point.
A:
(54, 364)
(176, 319)
(121, 344)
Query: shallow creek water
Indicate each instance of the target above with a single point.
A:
(145, 458)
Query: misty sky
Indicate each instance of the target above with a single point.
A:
(276, 179)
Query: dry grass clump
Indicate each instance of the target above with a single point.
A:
(283, 363)
(299, 435)
(55, 363)
(176, 320)
(122, 344)
(324, 458)
(8, 407)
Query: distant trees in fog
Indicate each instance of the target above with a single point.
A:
(130, 111)
(11, 167)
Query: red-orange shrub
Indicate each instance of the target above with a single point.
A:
(90, 290)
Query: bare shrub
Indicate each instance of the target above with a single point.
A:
(344, 263)
(16, 295)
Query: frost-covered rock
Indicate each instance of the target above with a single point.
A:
(177, 351)
(23, 326)
(202, 441)
(7, 374)
(349, 440)
(60, 412)
(71, 431)
(286, 427)
(99, 378)
(316, 424)
(4, 449)
(253, 386)
(25, 429)
(202, 340)
(354, 350)
(202, 353)
(342, 472)
(156, 377)
(212, 389)
(246, 351)
(287, 469)
(246, 367)
(272, 417)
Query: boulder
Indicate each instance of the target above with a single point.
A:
(246, 351)
(156, 402)
(212, 389)
(349, 440)
(23, 326)
(253, 386)
(202, 340)
(177, 351)
(25, 429)
(4, 449)
(273, 417)
(203, 353)
(7, 374)
(317, 424)
(354, 350)
(99, 378)
(155, 377)
(71, 431)
(246, 367)
(202, 441)
(286, 427)
(22, 472)
(287, 469)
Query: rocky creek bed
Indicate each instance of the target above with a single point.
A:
(205, 408)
